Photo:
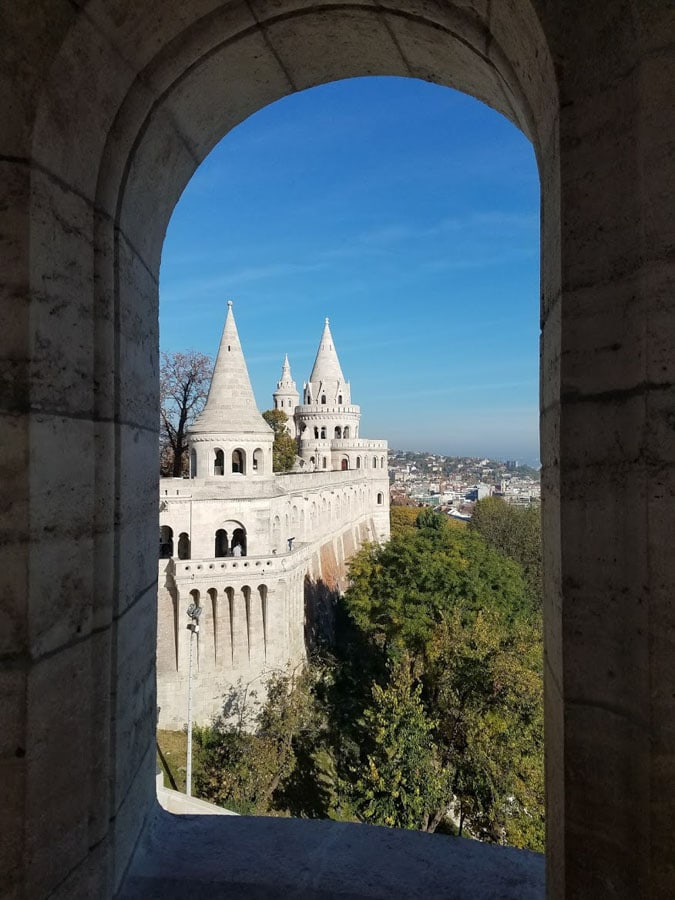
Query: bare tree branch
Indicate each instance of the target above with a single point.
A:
(184, 380)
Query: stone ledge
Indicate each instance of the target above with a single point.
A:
(265, 858)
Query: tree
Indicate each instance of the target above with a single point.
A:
(184, 380)
(402, 783)
(516, 532)
(284, 450)
(456, 611)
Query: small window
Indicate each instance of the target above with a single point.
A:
(323, 434)
(339, 399)
(380, 499)
(325, 462)
(323, 399)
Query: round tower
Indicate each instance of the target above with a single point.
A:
(230, 438)
(326, 420)
(286, 396)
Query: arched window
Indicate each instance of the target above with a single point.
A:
(316, 432)
(358, 462)
(219, 463)
(374, 462)
(345, 464)
(238, 542)
(276, 532)
(382, 462)
(338, 432)
(339, 399)
(222, 546)
(324, 463)
(323, 399)
(380, 499)
(345, 432)
(258, 461)
(165, 542)
(275, 403)
(193, 463)
(312, 461)
(238, 462)
(323, 433)
(183, 545)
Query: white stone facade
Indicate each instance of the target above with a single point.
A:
(241, 541)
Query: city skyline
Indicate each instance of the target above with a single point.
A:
(420, 244)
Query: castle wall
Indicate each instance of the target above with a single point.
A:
(253, 619)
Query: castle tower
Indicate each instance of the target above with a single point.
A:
(286, 396)
(230, 438)
(326, 422)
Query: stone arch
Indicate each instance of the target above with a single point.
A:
(345, 432)
(344, 463)
(222, 543)
(186, 79)
(183, 545)
(258, 461)
(380, 498)
(165, 542)
(218, 461)
(238, 461)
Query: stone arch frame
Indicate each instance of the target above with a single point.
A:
(184, 545)
(238, 461)
(258, 461)
(92, 186)
(218, 461)
(166, 546)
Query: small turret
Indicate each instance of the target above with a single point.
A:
(327, 385)
(230, 437)
(286, 396)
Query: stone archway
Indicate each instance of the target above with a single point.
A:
(107, 114)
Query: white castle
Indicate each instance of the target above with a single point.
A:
(248, 545)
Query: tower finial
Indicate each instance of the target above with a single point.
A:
(229, 304)
(326, 322)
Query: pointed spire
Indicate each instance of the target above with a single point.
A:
(286, 379)
(327, 368)
(231, 405)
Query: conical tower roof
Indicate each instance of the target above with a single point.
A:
(286, 380)
(326, 365)
(230, 406)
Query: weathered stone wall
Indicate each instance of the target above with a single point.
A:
(108, 108)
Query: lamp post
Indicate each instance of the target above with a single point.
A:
(194, 612)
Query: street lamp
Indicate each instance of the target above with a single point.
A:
(194, 612)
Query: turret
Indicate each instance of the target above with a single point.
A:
(230, 438)
(326, 418)
(286, 396)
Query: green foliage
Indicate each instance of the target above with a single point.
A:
(284, 449)
(426, 713)
(402, 519)
(400, 591)
(402, 783)
(514, 531)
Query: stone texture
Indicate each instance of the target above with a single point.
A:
(108, 107)
(270, 857)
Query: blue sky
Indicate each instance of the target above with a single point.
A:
(406, 212)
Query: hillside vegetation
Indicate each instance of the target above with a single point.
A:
(425, 711)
